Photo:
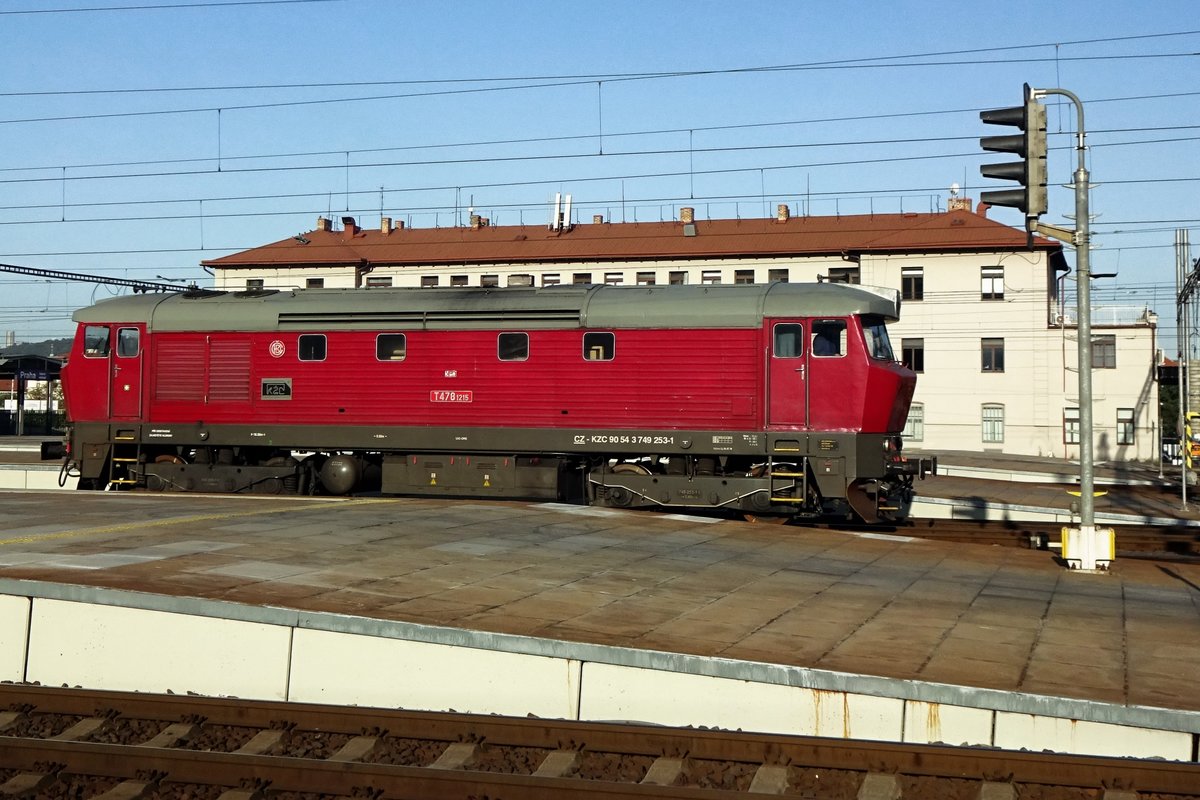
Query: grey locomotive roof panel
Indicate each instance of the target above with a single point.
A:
(714, 306)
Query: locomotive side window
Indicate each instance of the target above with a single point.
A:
(311, 347)
(512, 347)
(95, 341)
(829, 337)
(599, 346)
(789, 340)
(390, 347)
(127, 342)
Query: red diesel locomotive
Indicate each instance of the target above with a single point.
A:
(778, 400)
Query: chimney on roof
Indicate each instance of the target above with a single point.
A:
(385, 225)
(399, 224)
(782, 212)
(324, 224)
(597, 219)
(478, 222)
(349, 225)
(687, 214)
(958, 204)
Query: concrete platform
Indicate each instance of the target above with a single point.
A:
(574, 612)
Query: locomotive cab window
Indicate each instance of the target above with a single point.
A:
(789, 340)
(599, 346)
(878, 344)
(512, 347)
(829, 337)
(95, 341)
(127, 342)
(390, 347)
(311, 347)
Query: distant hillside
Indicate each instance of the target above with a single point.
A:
(49, 347)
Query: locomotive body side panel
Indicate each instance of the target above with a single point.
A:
(655, 379)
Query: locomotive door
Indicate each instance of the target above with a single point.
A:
(787, 390)
(125, 382)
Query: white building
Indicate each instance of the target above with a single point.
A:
(984, 319)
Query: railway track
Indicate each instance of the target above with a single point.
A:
(116, 746)
(1144, 541)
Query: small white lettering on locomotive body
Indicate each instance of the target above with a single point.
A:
(451, 396)
(583, 439)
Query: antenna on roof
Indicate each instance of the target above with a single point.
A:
(560, 213)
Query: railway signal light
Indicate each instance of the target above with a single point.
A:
(1030, 172)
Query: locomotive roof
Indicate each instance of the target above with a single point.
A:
(709, 306)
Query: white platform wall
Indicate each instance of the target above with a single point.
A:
(221, 649)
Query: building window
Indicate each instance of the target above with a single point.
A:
(390, 347)
(512, 347)
(789, 340)
(912, 283)
(489, 280)
(581, 278)
(311, 347)
(991, 280)
(843, 275)
(599, 346)
(914, 426)
(829, 337)
(710, 276)
(993, 423)
(646, 279)
(254, 284)
(379, 281)
(743, 276)
(1070, 426)
(520, 279)
(1125, 426)
(614, 278)
(314, 283)
(551, 279)
(912, 353)
(677, 277)
(993, 355)
(1104, 351)
(429, 281)
(777, 275)
(458, 280)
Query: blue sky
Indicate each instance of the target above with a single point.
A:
(831, 107)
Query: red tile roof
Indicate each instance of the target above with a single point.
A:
(952, 231)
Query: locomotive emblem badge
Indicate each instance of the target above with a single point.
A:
(277, 349)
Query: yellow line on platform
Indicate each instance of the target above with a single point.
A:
(161, 523)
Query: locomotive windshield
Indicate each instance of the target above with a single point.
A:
(878, 344)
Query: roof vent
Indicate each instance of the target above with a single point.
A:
(349, 225)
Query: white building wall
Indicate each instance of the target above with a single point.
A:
(1038, 383)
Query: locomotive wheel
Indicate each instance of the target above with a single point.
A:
(630, 468)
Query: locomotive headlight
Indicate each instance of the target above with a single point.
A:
(893, 444)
